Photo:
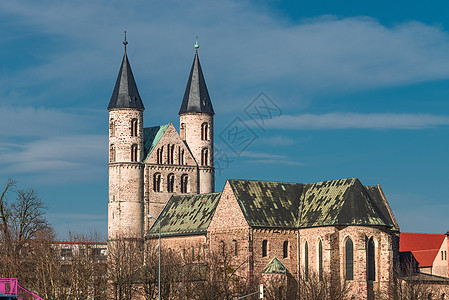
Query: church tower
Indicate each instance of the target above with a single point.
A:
(125, 207)
(197, 125)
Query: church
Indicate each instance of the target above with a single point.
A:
(338, 227)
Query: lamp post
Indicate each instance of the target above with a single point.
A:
(159, 279)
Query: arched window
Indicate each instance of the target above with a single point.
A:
(264, 248)
(443, 296)
(320, 260)
(285, 249)
(306, 261)
(112, 153)
(112, 127)
(170, 182)
(157, 182)
(184, 183)
(181, 156)
(234, 242)
(134, 152)
(204, 131)
(370, 261)
(205, 157)
(183, 131)
(349, 259)
(134, 127)
(170, 153)
(193, 253)
(160, 152)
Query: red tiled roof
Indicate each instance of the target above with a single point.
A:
(424, 246)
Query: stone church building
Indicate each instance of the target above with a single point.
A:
(338, 227)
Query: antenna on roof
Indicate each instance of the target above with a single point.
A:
(125, 42)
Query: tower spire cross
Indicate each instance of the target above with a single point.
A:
(125, 42)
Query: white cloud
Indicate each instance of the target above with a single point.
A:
(358, 121)
(243, 45)
(56, 159)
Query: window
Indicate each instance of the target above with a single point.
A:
(112, 153)
(112, 127)
(134, 127)
(442, 255)
(445, 255)
(349, 259)
(234, 242)
(371, 261)
(184, 183)
(160, 152)
(193, 253)
(134, 152)
(183, 131)
(170, 152)
(285, 249)
(157, 182)
(204, 157)
(181, 156)
(170, 182)
(306, 261)
(320, 260)
(66, 252)
(264, 248)
(204, 131)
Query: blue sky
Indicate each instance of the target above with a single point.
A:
(361, 90)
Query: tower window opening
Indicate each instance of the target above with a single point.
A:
(204, 131)
(170, 182)
(235, 247)
(134, 152)
(205, 157)
(134, 127)
(112, 127)
(157, 182)
(112, 153)
(222, 247)
(184, 183)
(183, 131)
(264, 248)
(285, 249)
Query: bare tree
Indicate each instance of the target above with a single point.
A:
(328, 287)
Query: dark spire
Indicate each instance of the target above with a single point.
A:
(196, 97)
(125, 93)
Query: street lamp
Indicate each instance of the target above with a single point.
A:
(159, 279)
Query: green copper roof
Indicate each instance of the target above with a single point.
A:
(186, 215)
(274, 267)
(151, 136)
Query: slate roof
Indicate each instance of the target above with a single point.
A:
(125, 94)
(186, 215)
(151, 136)
(424, 246)
(196, 97)
(274, 267)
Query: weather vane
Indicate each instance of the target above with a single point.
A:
(125, 42)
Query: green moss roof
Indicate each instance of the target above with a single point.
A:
(186, 215)
(296, 205)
